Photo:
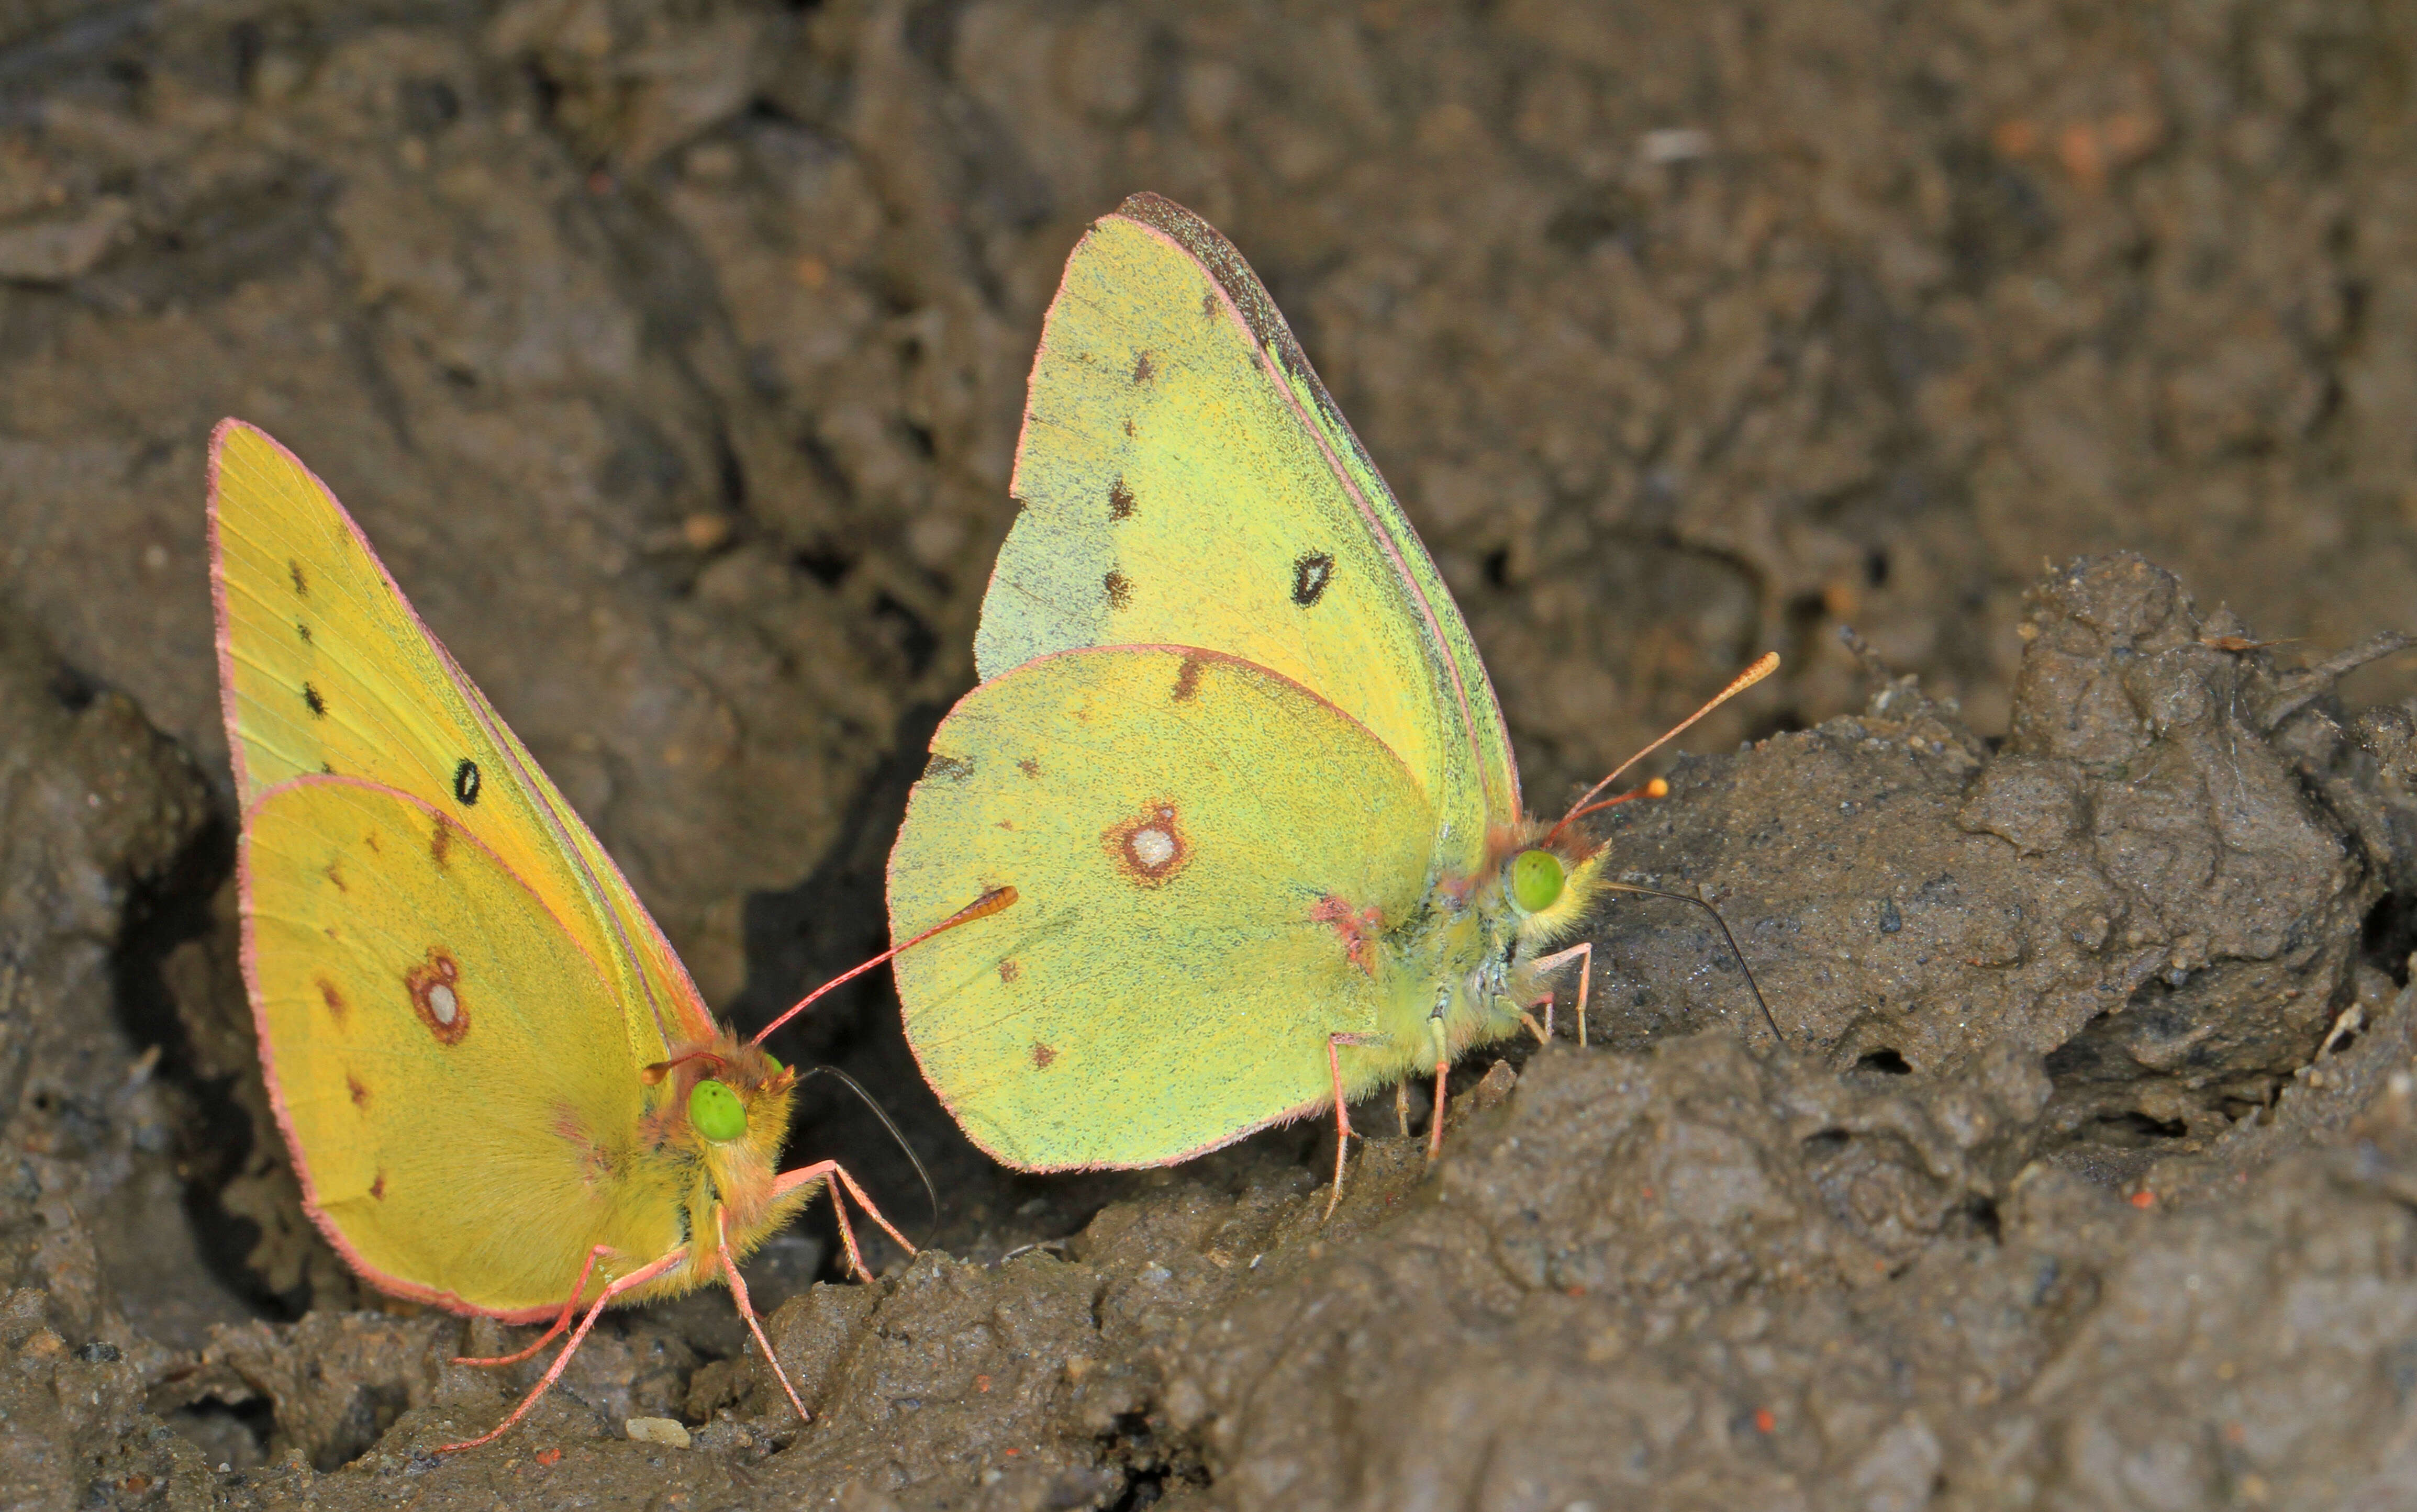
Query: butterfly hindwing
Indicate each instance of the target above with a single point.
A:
(411, 992)
(1191, 836)
(1186, 480)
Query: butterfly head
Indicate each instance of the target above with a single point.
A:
(727, 1103)
(1547, 881)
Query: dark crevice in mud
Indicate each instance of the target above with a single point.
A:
(831, 921)
(215, 1139)
(2134, 1129)
(1886, 1062)
(2389, 935)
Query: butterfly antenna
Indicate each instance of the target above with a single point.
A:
(982, 907)
(931, 1193)
(1751, 985)
(1763, 667)
(1655, 789)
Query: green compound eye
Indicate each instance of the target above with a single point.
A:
(716, 1112)
(772, 1063)
(1536, 879)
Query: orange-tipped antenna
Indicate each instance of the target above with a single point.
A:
(982, 907)
(1655, 789)
(1764, 665)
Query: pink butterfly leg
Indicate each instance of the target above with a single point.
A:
(1342, 1114)
(789, 1181)
(569, 1310)
(746, 1310)
(611, 1289)
(1583, 953)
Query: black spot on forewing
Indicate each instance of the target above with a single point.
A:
(1118, 590)
(301, 579)
(465, 782)
(1310, 576)
(946, 768)
(311, 699)
(303, 629)
(1121, 501)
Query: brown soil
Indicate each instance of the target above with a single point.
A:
(673, 356)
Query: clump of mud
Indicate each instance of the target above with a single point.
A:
(673, 357)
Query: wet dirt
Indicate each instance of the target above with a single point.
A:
(673, 356)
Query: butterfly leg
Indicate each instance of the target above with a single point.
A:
(569, 1310)
(1342, 1114)
(823, 1170)
(1443, 1072)
(605, 1299)
(1583, 953)
(746, 1310)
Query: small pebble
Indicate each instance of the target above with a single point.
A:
(657, 1430)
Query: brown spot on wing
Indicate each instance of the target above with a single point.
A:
(1008, 971)
(1143, 369)
(436, 989)
(1149, 848)
(1121, 498)
(378, 1187)
(1118, 590)
(1128, 429)
(334, 872)
(360, 1095)
(330, 995)
(440, 843)
(1187, 680)
(1209, 304)
(1028, 768)
(311, 701)
(303, 630)
(1042, 1056)
(301, 579)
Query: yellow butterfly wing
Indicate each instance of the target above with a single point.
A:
(1185, 481)
(325, 668)
(1178, 826)
(459, 1146)
(335, 695)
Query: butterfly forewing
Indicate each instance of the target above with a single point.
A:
(325, 670)
(1185, 481)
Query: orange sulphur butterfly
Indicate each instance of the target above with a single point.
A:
(502, 1092)
(1232, 743)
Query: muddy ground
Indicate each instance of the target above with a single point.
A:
(673, 354)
